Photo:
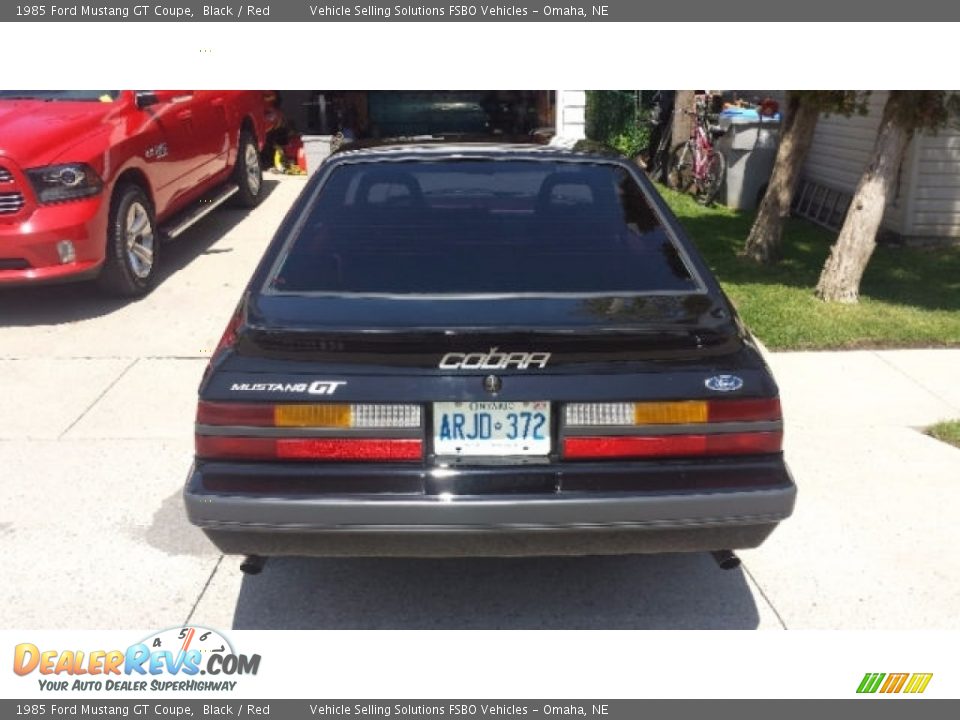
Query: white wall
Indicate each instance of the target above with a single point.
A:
(572, 114)
(934, 207)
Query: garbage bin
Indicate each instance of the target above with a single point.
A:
(317, 148)
(749, 146)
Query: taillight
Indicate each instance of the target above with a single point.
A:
(310, 415)
(672, 429)
(309, 431)
(682, 412)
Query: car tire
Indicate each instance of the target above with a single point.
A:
(133, 241)
(247, 173)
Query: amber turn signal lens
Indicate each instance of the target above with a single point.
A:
(331, 416)
(670, 413)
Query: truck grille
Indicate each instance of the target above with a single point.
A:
(10, 202)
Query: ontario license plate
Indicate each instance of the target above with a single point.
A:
(491, 428)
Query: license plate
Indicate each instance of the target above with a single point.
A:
(491, 428)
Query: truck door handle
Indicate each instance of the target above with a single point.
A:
(185, 115)
(217, 102)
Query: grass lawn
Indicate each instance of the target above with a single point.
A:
(948, 431)
(910, 297)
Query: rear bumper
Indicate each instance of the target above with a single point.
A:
(573, 522)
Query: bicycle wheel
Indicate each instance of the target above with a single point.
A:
(713, 178)
(680, 170)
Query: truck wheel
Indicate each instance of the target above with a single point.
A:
(132, 244)
(247, 174)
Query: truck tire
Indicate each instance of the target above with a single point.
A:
(247, 173)
(133, 241)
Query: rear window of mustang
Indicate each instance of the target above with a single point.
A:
(481, 227)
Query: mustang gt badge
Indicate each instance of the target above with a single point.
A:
(317, 387)
(723, 383)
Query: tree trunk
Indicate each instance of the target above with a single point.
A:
(843, 270)
(682, 124)
(763, 243)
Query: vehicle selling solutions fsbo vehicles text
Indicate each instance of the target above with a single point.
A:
(388, 11)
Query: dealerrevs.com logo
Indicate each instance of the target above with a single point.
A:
(893, 683)
(179, 659)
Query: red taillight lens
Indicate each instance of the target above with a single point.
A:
(350, 449)
(645, 446)
(247, 415)
(212, 447)
(747, 410)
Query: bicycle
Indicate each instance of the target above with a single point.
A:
(696, 164)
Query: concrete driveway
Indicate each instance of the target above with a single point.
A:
(96, 437)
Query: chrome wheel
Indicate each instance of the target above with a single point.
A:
(139, 237)
(252, 164)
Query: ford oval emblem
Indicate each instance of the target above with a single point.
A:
(724, 383)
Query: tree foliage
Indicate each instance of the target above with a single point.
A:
(615, 118)
(835, 102)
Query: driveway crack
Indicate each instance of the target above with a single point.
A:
(97, 399)
(916, 382)
(764, 595)
(203, 591)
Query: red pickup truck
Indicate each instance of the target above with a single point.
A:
(91, 182)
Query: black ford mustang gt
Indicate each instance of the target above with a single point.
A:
(468, 349)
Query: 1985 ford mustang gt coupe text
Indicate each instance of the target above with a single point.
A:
(461, 349)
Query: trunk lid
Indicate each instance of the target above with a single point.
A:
(506, 335)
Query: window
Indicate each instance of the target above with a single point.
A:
(482, 227)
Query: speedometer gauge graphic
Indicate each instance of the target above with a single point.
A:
(186, 638)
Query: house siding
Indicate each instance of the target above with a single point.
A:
(927, 202)
(840, 151)
(935, 205)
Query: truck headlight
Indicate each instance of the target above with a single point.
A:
(56, 183)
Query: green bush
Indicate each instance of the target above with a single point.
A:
(632, 140)
(614, 118)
